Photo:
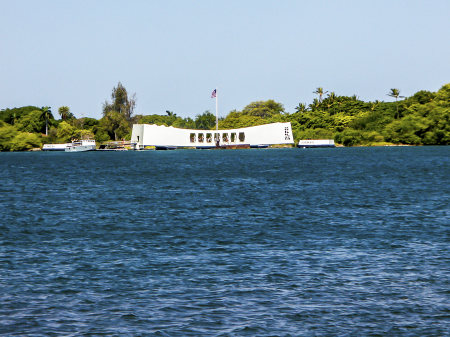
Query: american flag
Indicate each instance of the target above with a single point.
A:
(214, 93)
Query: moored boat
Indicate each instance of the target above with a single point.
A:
(81, 146)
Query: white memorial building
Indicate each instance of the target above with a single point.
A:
(168, 137)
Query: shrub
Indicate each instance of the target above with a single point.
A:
(7, 133)
(348, 137)
(25, 141)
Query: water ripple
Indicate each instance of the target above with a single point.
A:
(336, 242)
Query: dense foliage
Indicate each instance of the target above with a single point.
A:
(422, 119)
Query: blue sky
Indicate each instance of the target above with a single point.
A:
(173, 53)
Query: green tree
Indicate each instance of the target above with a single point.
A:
(423, 97)
(12, 115)
(87, 123)
(263, 109)
(65, 132)
(46, 113)
(186, 123)
(24, 141)
(85, 134)
(101, 135)
(314, 134)
(52, 135)
(373, 105)
(332, 96)
(348, 137)
(301, 107)
(121, 103)
(170, 113)
(33, 121)
(330, 102)
(237, 120)
(167, 120)
(115, 124)
(319, 91)
(7, 134)
(395, 93)
(205, 121)
(64, 112)
(314, 105)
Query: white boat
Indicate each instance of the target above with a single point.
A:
(55, 147)
(163, 137)
(310, 143)
(81, 146)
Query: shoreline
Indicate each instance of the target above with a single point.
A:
(274, 147)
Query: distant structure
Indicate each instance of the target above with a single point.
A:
(55, 147)
(306, 143)
(166, 137)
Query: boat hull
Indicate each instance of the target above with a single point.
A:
(315, 146)
(55, 147)
(83, 145)
(164, 148)
(80, 148)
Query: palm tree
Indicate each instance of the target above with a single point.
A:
(171, 113)
(64, 112)
(340, 105)
(300, 108)
(314, 105)
(373, 105)
(395, 93)
(319, 91)
(46, 114)
(332, 98)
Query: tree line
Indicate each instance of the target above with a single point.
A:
(422, 119)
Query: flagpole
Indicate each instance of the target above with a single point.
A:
(217, 110)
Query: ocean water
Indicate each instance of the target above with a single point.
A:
(276, 242)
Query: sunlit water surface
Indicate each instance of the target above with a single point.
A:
(288, 242)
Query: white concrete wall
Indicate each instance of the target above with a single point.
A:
(154, 135)
(137, 134)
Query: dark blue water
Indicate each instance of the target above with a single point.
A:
(293, 242)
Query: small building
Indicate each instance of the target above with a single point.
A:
(167, 137)
(306, 143)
